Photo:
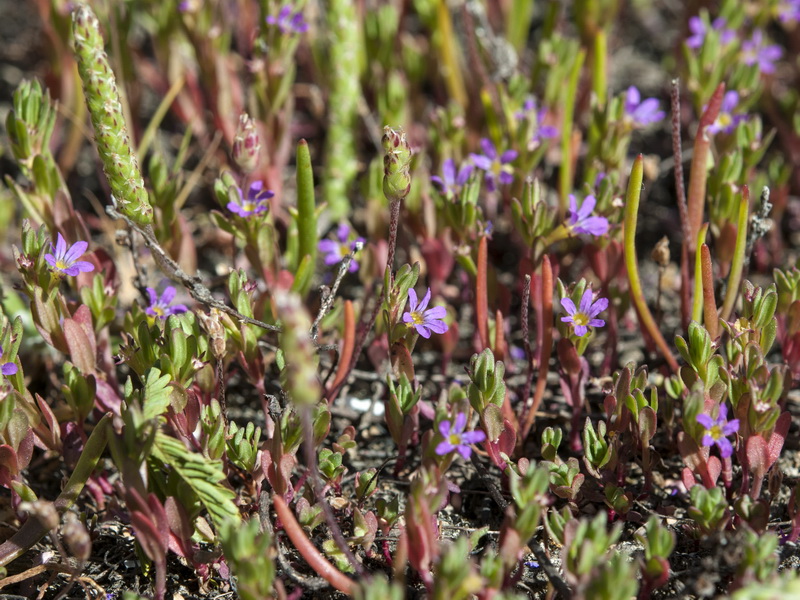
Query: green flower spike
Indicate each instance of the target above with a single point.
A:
(396, 164)
(111, 135)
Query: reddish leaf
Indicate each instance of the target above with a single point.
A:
(777, 438)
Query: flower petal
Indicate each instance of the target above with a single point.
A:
(488, 148)
(599, 306)
(444, 428)
(482, 162)
(425, 299)
(461, 423)
(61, 246)
(731, 427)
(75, 252)
(8, 368)
(423, 330)
(569, 305)
(168, 294)
(705, 420)
(580, 330)
(412, 300)
(725, 448)
(444, 447)
(586, 301)
(587, 207)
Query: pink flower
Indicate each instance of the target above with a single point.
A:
(718, 430)
(64, 261)
(583, 316)
(424, 321)
(159, 307)
(580, 219)
(455, 438)
(8, 368)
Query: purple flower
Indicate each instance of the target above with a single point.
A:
(159, 307)
(65, 260)
(726, 121)
(536, 120)
(497, 167)
(255, 202)
(642, 112)
(699, 30)
(8, 368)
(755, 51)
(335, 251)
(583, 317)
(718, 430)
(789, 11)
(455, 438)
(287, 21)
(424, 321)
(450, 183)
(580, 220)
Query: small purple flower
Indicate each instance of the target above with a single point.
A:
(497, 167)
(64, 261)
(580, 220)
(287, 21)
(726, 121)
(718, 430)
(536, 118)
(699, 30)
(642, 112)
(335, 251)
(255, 202)
(755, 51)
(450, 183)
(8, 368)
(531, 564)
(583, 317)
(159, 306)
(455, 438)
(788, 11)
(424, 321)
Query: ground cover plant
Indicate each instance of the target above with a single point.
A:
(402, 298)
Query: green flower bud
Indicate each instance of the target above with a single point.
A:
(396, 164)
(111, 135)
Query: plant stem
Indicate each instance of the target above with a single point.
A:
(710, 309)
(697, 303)
(307, 550)
(600, 67)
(737, 265)
(699, 172)
(631, 263)
(545, 328)
(565, 173)
(481, 299)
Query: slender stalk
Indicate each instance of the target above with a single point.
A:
(600, 67)
(481, 299)
(158, 117)
(545, 327)
(710, 305)
(697, 306)
(449, 51)
(680, 194)
(699, 172)
(307, 550)
(526, 342)
(348, 341)
(565, 173)
(631, 263)
(306, 209)
(737, 265)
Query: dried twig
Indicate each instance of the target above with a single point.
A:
(172, 270)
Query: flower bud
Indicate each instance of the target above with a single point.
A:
(246, 144)
(396, 164)
(76, 537)
(43, 511)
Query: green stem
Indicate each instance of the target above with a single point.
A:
(735, 276)
(565, 173)
(306, 205)
(631, 264)
(449, 51)
(600, 67)
(32, 531)
(697, 304)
